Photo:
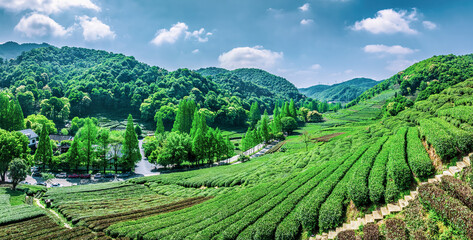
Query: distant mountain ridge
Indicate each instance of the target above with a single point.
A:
(11, 50)
(278, 86)
(341, 92)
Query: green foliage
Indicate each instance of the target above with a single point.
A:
(36, 122)
(159, 123)
(44, 153)
(11, 115)
(341, 92)
(358, 191)
(394, 106)
(418, 158)
(377, 177)
(131, 151)
(88, 137)
(18, 171)
(434, 134)
(314, 116)
(397, 169)
(288, 124)
(254, 115)
(57, 109)
(184, 116)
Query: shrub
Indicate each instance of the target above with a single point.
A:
(358, 189)
(314, 116)
(418, 159)
(441, 140)
(395, 229)
(346, 235)
(449, 208)
(459, 189)
(377, 178)
(463, 139)
(397, 168)
(392, 191)
(370, 232)
(289, 124)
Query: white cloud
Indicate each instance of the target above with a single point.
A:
(315, 67)
(195, 51)
(94, 29)
(380, 48)
(249, 57)
(177, 31)
(429, 25)
(306, 21)
(47, 6)
(41, 25)
(200, 35)
(388, 21)
(399, 64)
(305, 7)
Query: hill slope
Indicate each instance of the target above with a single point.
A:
(11, 50)
(280, 87)
(341, 92)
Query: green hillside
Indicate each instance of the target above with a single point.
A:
(341, 92)
(280, 87)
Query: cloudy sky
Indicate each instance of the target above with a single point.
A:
(309, 42)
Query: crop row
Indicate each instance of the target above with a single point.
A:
(358, 190)
(463, 139)
(458, 189)
(461, 113)
(396, 229)
(276, 147)
(86, 188)
(441, 140)
(308, 211)
(377, 177)
(398, 173)
(418, 159)
(10, 214)
(239, 218)
(448, 207)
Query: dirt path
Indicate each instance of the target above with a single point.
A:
(38, 202)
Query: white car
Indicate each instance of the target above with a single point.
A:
(97, 175)
(61, 175)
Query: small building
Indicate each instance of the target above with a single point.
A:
(63, 148)
(32, 137)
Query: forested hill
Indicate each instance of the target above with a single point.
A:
(11, 50)
(280, 87)
(61, 83)
(422, 79)
(341, 92)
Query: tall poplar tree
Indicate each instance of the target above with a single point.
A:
(44, 153)
(74, 154)
(292, 109)
(254, 115)
(264, 127)
(184, 116)
(131, 150)
(159, 124)
(88, 136)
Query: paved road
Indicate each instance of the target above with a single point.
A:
(143, 167)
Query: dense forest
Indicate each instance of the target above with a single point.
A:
(342, 92)
(11, 50)
(62, 83)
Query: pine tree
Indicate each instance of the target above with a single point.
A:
(198, 122)
(276, 111)
(184, 116)
(285, 110)
(104, 140)
(4, 111)
(199, 145)
(131, 151)
(254, 115)
(159, 124)
(44, 153)
(264, 128)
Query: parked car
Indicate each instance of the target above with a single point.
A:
(36, 174)
(85, 176)
(109, 175)
(73, 175)
(42, 184)
(124, 175)
(97, 175)
(61, 175)
(55, 185)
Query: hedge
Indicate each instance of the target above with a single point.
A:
(397, 168)
(418, 158)
(358, 190)
(458, 189)
(463, 139)
(448, 207)
(377, 178)
(308, 212)
(441, 140)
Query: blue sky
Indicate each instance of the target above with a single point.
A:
(308, 42)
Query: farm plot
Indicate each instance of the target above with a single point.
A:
(17, 213)
(44, 228)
